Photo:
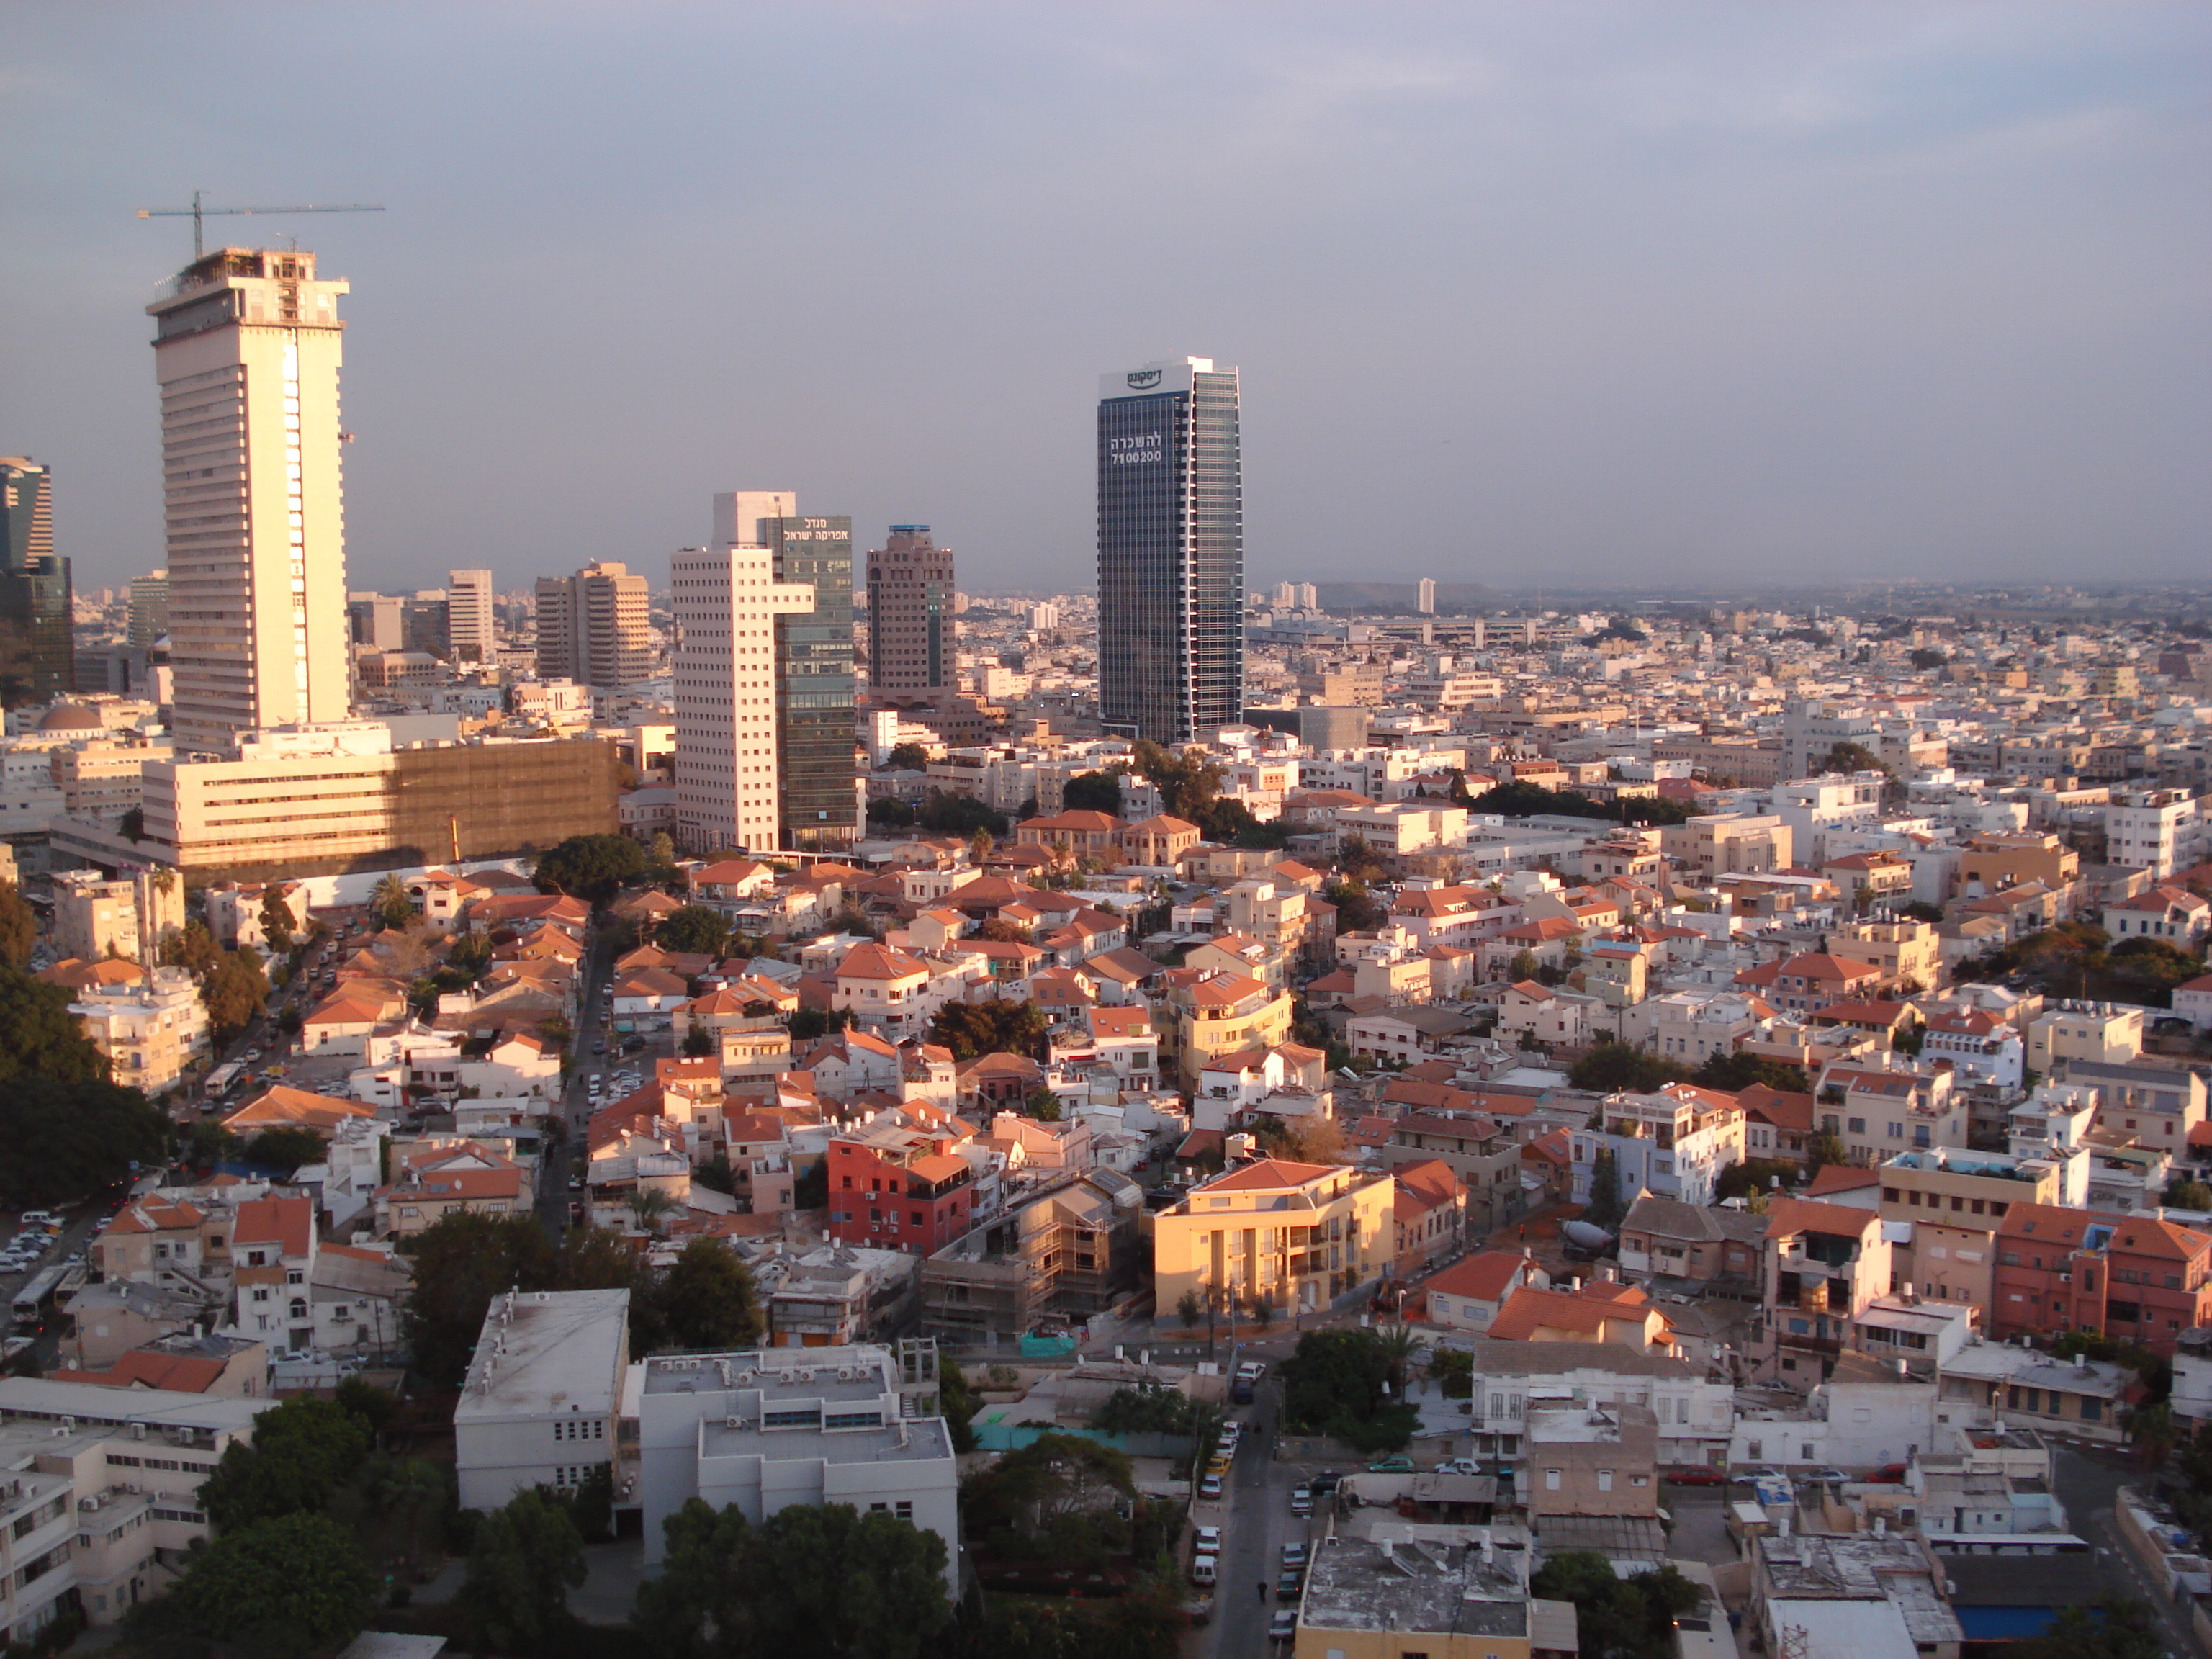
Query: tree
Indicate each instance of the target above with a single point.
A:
(590, 868)
(1092, 791)
(698, 1043)
(1755, 1175)
(650, 1205)
(63, 1142)
(276, 920)
(1613, 1068)
(208, 1142)
(807, 1023)
(1523, 967)
(707, 1300)
(190, 946)
(1399, 1343)
(1733, 1071)
(1043, 1105)
(19, 927)
(460, 1263)
(972, 1029)
(1452, 1369)
(302, 1451)
(1048, 1492)
(813, 1578)
(39, 1035)
(2187, 1195)
(2115, 1627)
(660, 852)
(1823, 1149)
(1847, 757)
(694, 930)
(1604, 1208)
(291, 1581)
(389, 902)
(284, 1148)
(1616, 1617)
(1336, 1385)
(526, 1559)
(906, 757)
(1189, 1309)
(235, 991)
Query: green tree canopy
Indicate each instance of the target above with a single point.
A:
(1522, 801)
(276, 920)
(906, 757)
(524, 1561)
(972, 1029)
(1612, 1067)
(288, 1582)
(190, 946)
(302, 1450)
(286, 1148)
(235, 990)
(1335, 1384)
(706, 1298)
(1734, 1070)
(591, 867)
(460, 1264)
(1186, 779)
(39, 1035)
(1604, 1208)
(61, 1142)
(1616, 1617)
(1092, 791)
(19, 927)
(696, 930)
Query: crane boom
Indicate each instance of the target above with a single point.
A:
(197, 212)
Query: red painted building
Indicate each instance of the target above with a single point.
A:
(898, 1189)
(2134, 1278)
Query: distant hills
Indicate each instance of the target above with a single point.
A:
(1399, 599)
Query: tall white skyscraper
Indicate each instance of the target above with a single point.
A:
(1426, 602)
(246, 350)
(470, 628)
(726, 600)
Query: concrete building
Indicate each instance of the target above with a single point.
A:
(541, 1404)
(595, 627)
(151, 1032)
(1066, 1250)
(352, 802)
(911, 631)
(1594, 1459)
(1446, 1592)
(471, 623)
(1300, 1235)
(247, 350)
(129, 916)
(37, 654)
(146, 620)
(2161, 831)
(768, 1428)
(1170, 551)
(727, 771)
(1674, 1142)
(100, 1493)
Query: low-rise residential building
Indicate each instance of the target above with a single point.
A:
(2154, 1106)
(1300, 1235)
(2134, 1278)
(898, 1187)
(1675, 1141)
(1824, 1265)
(152, 1032)
(1879, 1110)
(1468, 1295)
(541, 1404)
(1695, 1409)
(1694, 1243)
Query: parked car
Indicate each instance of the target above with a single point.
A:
(1283, 1626)
(1459, 1466)
(1205, 1540)
(1210, 1486)
(1287, 1587)
(1832, 1477)
(1391, 1466)
(1202, 1569)
(1694, 1477)
(1326, 1481)
(1294, 1555)
(1301, 1500)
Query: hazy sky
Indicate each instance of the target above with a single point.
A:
(1521, 292)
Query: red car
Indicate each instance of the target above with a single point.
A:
(1694, 1477)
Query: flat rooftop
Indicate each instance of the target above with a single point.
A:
(1415, 1585)
(548, 1352)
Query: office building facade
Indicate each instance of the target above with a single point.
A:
(471, 628)
(727, 602)
(910, 626)
(148, 622)
(595, 628)
(247, 350)
(817, 801)
(37, 643)
(1170, 551)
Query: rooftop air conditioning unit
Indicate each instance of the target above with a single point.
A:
(733, 1422)
(806, 1375)
(138, 1430)
(88, 1504)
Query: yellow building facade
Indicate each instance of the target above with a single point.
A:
(1297, 1234)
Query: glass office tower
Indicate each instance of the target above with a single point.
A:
(1170, 551)
(816, 764)
(37, 648)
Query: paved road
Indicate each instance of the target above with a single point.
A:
(1256, 1524)
(2086, 1481)
(575, 1107)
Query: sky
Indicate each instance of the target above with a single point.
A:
(1683, 293)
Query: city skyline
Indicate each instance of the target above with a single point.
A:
(1731, 295)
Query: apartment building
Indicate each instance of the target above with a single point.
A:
(595, 628)
(540, 1405)
(2134, 1278)
(1675, 1141)
(1696, 1411)
(2004, 859)
(1300, 1235)
(895, 1187)
(2106, 1033)
(2157, 1107)
(129, 916)
(151, 1032)
(1878, 1110)
(1220, 1013)
(1718, 844)
(1953, 1201)
(100, 1493)
(1065, 1250)
(1909, 954)
(2161, 831)
(1824, 1265)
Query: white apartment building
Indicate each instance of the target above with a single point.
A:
(726, 601)
(1673, 1142)
(246, 350)
(773, 1427)
(99, 1493)
(152, 1032)
(1696, 1413)
(472, 627)
(2161, 831)
(540, 1404)
(95, 916)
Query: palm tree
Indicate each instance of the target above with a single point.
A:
(1398, 1344)
(388, 901)
(648, 1205)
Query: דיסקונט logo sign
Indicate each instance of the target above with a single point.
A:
(1142, 378)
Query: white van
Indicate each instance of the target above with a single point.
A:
(1201, 1569)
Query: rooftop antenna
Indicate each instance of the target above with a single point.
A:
(197, 212)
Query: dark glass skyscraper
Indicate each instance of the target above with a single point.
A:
(38, 644)
(814, 684)
(1170, 551)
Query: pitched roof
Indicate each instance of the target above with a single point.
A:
(281, 1104)
(1486, 1277)
(1530, 1310)
(1788, 1216)
(873, 961)
(1264, 1172)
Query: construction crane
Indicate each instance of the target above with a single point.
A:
(196, 213)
